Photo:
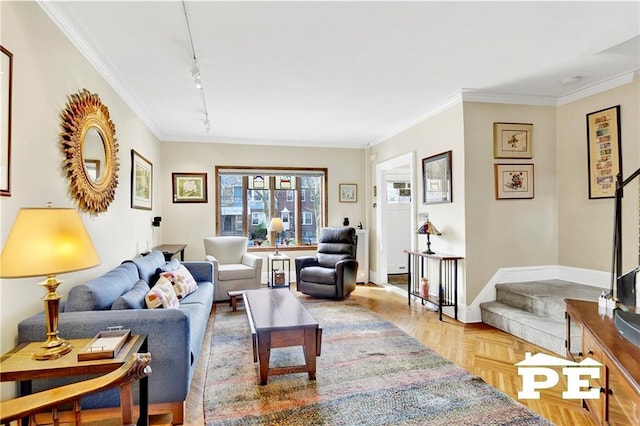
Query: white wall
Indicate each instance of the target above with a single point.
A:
(47, 69)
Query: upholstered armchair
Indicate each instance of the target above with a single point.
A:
(233, 267)
(331, 274)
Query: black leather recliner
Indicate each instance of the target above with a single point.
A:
(331, 274)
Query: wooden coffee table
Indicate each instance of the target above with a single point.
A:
(278, 319)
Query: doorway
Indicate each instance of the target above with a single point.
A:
(395, 219)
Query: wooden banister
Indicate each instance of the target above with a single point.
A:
(134, 369)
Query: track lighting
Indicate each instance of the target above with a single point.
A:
(195, 70)
(198, 82)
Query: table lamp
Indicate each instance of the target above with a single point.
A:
(46, 242)
(276, 226)
(427, 228)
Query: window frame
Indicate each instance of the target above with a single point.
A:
(297, 172)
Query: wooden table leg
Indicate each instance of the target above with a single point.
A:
(310, 351)
(264, 353)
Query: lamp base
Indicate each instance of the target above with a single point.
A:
(47, 352)
(429, 251)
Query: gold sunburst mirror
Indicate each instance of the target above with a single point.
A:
(89, 143)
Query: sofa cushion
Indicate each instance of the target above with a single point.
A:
(235, 272)
(162, 295)
(101, 292)
(134, 298)
(172, 265)
(182, 280)
(148, 266)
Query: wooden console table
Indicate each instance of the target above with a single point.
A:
(619, 383)
(438, 268)
(170, 250)
(17, 365)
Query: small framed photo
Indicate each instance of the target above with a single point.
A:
(513, 181)
(436, 179)
(141, 182)
(512, 140)
(348, 193)
(603, 152)
(189, 187)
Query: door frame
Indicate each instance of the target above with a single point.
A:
(381, 246)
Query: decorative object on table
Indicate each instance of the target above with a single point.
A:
(141, 182)
(512, 140)
(105, 344)
(436, 179)
(428, 229)
(424, 287)
(345, 221)
(189, 187)
(6, 83)
(48, 241)
(348, 192)
(513, 181)
(276, 226)
(89, 144)
(603, 151)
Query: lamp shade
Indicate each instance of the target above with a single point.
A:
(276, 225)
(428, 228)
(47, 241)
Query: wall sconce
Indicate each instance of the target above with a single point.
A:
(156, 221)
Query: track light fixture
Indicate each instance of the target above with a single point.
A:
(195, 71)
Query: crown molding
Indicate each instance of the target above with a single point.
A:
(52, 11)
(602, 86)
(473, 95)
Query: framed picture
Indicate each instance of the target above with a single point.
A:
(141, 182)
(6, 77)
(348, 193)
(603, 151)
(436, 179)
(513, 181)
(512, 140)
(189, 187)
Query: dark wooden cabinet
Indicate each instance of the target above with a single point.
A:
(619, 383)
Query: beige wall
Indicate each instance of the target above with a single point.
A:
(189, 223)
(585, 226)
(48, 68)
(507, 233)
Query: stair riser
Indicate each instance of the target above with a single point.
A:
(544, 307)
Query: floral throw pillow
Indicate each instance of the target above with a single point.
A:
(162, 295)
(182, 280)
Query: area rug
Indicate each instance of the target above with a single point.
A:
(369, 373)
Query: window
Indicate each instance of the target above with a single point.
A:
(249, 197)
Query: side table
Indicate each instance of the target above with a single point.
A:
(170, 250)
(279, 270)
(17, 365)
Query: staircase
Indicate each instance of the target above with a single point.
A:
(534, 311)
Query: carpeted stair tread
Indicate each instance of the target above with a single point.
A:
(543, 331)
(535, 311)
(544, 297)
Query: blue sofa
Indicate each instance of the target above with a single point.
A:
(117, 299)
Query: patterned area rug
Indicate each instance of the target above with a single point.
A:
(369, 373)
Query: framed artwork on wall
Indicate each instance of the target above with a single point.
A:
(189, 187)
(603, 151)
(6, 76)
(348, 193)
(514, 181)
(512, 140)
(141, 182)
(436, 179)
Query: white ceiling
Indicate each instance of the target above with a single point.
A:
(345, 74)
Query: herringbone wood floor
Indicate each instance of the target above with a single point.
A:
(479, 348)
